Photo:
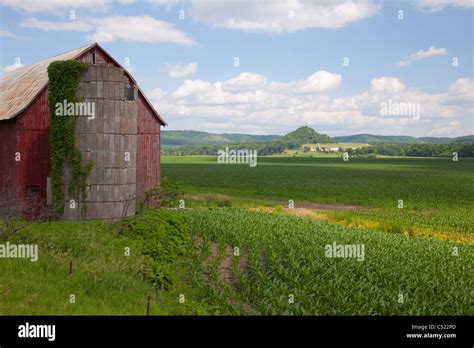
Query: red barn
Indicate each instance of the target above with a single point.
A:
(125, 123)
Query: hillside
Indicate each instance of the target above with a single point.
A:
(464, 139)
(306, 135)
(402, 139)
(369, 138)
(190, 137)
(300, 136)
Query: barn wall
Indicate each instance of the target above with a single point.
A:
(32, 130)
(148, 148)
(8, 165)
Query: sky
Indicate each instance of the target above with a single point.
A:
(267, 67)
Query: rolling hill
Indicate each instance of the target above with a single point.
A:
(401, 139)
(190, 137)
(302, 135)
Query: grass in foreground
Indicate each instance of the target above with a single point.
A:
(104, 280)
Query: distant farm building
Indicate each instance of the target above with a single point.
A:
(125, 122)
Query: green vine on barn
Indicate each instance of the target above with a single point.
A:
(64, 79)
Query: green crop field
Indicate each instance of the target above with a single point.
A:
(437, 194)
(280, 267)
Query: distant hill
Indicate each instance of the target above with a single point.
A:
(401, 139)
(434, 140)
(369, 138)
(302, 135)
(190, 137)
(464, 139)
(306, 135)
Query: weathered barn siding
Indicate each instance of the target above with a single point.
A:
(109, 140)
(100, 57)
(148, 148)
(33, 144)
(8, 165)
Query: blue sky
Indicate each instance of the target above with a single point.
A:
(290, 53)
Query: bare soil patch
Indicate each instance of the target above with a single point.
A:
(225, 268)
(327, 206)
(213, 249)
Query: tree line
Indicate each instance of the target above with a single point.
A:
(417, 150)
(275, 147)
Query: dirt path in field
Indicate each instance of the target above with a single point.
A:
(327, 206)
(213, 250)
(225, 268)
(226, 273)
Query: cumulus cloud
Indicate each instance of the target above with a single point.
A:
(34, 23)
(110, 28)
(244, 82)
(138, 28)
(437, 5)
(386, 84)
(321, 81)
(179, 71)
(421, 54)
(250, 103)
(54, 6)
(283, 15)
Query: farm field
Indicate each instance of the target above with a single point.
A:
(260, 263)
(437, 194)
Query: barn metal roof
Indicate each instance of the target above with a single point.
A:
(20, 87)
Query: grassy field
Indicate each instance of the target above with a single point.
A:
(437, 194)
(104, 280)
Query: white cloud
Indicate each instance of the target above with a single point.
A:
(165, 3)
(244, 82)
(6, 33)
(138, 28)
(430, 52)
(283, 15)
(56, 6)
(386, 84)
(321, 81)
(250, 103)
(462, 86)
(461, 92)
(179, 71)
(128, 28)
(437, 5)
(34, 23)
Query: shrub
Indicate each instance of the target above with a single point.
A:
(162, 237)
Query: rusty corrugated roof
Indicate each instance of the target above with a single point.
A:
(21, 86)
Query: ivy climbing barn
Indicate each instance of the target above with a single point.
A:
(90, 166)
